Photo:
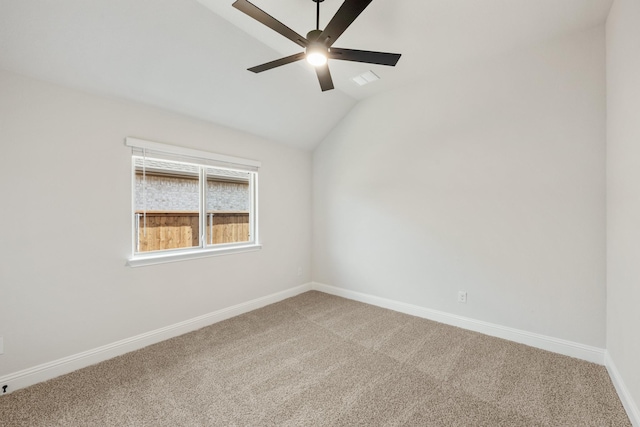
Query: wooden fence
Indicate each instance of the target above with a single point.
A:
(173, 230)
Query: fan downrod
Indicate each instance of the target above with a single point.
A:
(314, 34)
(317, 2)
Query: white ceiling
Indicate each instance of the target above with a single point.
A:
(191, 56)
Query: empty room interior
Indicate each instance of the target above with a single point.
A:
(213, 215)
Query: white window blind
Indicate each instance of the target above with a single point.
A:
(162, 151)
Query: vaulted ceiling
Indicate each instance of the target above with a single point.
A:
(191, 56)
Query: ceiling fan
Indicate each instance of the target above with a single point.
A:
(318, 43)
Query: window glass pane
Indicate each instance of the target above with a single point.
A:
(167, 205)
(228, 203)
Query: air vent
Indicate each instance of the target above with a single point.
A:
(365, 78)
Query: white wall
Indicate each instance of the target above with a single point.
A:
(490, 179)
(65, 188)
(623, 193)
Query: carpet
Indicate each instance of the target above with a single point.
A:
(321, 360)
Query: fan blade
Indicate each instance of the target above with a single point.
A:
(271, 22)
(347, 13)
(277, 63)
(381, 58)
(324, 76)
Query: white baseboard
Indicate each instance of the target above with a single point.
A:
(49, 370)
(623, 392)
(556, 345)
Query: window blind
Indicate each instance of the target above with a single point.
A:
(157, 150)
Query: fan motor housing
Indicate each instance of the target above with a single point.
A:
(313, 34)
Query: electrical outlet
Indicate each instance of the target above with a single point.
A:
(299, 271)
(462, 297)
(1, 346)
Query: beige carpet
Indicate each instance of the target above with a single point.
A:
(320, 360)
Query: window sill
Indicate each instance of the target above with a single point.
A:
(162, 258)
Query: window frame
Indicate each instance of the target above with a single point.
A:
(203, 160)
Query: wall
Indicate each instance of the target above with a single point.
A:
(64, 287)
(623, 195)
(489, 179)
(185, 195)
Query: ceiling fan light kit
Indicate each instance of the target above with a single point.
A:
(316, 52)
(318, 43)
(316, 58)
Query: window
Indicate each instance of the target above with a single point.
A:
(190, 204)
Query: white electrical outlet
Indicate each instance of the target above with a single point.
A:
(462, 297)
(1, 346)
(299, 271)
